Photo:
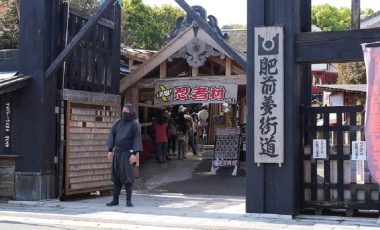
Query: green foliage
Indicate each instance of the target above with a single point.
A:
(352, 73)
(328, 17)
(9, 25)
(89, 6)
(364, 13)
(144, 27)
(233, 26)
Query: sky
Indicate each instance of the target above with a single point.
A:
(235, 12)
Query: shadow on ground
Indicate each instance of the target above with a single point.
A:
(198, 181)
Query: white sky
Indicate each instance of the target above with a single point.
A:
(235, 11)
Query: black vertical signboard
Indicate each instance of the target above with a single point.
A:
(7, 125)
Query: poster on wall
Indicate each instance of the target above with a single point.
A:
(174, 92)
(269, 95)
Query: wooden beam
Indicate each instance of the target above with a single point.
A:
(146, 124)
(212, 33)
(152, 106)
(148, 83)
(146, 96)
(86, 29)
(333, 46)
(221, 62)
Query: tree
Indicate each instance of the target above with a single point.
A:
(352, 73)
(9, 25)
(145, 27)
(89, 6)
(330, 18)
(233, 26)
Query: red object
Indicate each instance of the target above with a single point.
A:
(322, 77)
(147, 153)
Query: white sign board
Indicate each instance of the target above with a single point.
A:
(172, 92)
(319, 149)
(359, 151)
(269, 95)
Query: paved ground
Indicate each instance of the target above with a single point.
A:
(175, 195)
(191, 176)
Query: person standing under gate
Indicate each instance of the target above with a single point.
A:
(125, 139)
(160, 127)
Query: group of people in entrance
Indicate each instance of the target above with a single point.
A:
(181, 129)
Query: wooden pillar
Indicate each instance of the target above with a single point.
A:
(194, 72)
(132, 96)
(355, 14)
(130, 64)
(228, 66)
(269, 187)
(163, 70)
(34, 179)
(214, 109)
(242, 114)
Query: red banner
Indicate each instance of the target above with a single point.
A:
(371, 54)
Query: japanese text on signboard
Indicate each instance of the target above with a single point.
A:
(269, 95)
(7, 127)
(171, 92)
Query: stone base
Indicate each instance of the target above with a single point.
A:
(34, 186)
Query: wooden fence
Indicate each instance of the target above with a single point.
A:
(332, 183)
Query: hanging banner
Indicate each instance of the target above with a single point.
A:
(269, 95)
(371, 54)
(172, 92)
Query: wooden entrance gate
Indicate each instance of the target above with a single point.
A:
(332, 183)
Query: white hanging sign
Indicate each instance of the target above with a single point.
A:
(319, 149)
(359, 151)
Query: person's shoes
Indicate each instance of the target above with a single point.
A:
(195, 154)
(129, 203)
(114, 202)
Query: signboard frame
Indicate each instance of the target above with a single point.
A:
(269, 96)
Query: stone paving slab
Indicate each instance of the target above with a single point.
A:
(170, 211)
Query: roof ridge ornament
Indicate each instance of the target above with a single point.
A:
(181, 24)
(196, 52)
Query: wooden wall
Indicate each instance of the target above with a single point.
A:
(87, 129)
(7, 175)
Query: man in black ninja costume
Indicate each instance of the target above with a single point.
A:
(125, 139)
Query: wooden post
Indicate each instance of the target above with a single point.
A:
(214, 109)
(242, 114)
(194, 71)
(132, 96)
(34, 179)
(271, 188)
(163, 70)
(228, 66)
(355, 14)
